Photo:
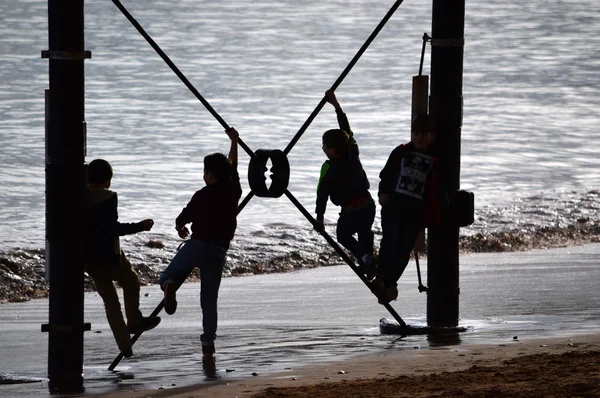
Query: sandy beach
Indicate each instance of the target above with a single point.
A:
(556, 367)
(530, 355)
(315, 333)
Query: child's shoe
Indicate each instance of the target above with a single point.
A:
(208, 348)
(128, 353)
(388, 294)
(384, 292)
(146, 324)
(170, 297)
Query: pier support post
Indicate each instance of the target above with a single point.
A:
(65, 188)
(446, 104)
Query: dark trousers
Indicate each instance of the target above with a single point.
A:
(104, 277)
(400, 228)
(210, 259)
(359, 222)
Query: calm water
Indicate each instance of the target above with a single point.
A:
(530, 142)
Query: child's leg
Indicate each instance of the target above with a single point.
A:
(365, 229)
(408, 235)
(390, 237)
(103, 278)
(211, 270)
(182, 264)
(346, 228)
(399, 233)
(129, 281)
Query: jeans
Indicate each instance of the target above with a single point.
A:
(210, 259)
(360, 222)
(103, 277)
(400, 228)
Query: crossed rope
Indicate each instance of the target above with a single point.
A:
(280, 166)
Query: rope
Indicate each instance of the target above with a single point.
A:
(340, 251)
(178, 73)
(298, 205)
(343, 75)
(426, 38)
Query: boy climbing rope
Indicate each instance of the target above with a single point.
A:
(408, 195)
(105, 262)
(344, 180)
(212, 211)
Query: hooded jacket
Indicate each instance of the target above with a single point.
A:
(102, 245)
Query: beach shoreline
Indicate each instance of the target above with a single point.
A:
(558, 366)
(316, 323)
(22, 271)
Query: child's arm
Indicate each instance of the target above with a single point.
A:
(233, 150)
(341, 117)
(185, 217)
(233, 159)
(387, 174)
(331, 98)
(322, 193)
(125, 228)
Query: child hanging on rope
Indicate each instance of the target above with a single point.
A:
(408, 195)
(212, 211)
(344, 180)
(105, 262)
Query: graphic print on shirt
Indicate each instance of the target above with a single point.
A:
(413, 174)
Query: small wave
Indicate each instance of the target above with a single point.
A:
(14, 379)
(280, 247)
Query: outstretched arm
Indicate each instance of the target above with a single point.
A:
(331, 98)
(233, 150)
(342, 120)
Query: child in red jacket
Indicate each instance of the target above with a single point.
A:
(212, 212)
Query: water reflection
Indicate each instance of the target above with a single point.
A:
(66, 386)
(436, 336)
(209, 367)
(445, 338)
(120, 376)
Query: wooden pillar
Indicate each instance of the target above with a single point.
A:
(446, 105)
(65, 187)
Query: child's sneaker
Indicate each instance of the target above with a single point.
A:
(384, 292)
(146, 324)
(170, 297)
(388, 294)
(128, 353)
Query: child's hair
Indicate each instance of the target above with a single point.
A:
(99, 171)
(423, 123)
(218, 165)
(337, 139)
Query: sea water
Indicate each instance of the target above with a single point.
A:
(529, 136)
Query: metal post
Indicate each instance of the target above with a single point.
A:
(65, 184)
(446, 104)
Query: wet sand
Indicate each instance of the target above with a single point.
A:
(282, 326)
(556, 367)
